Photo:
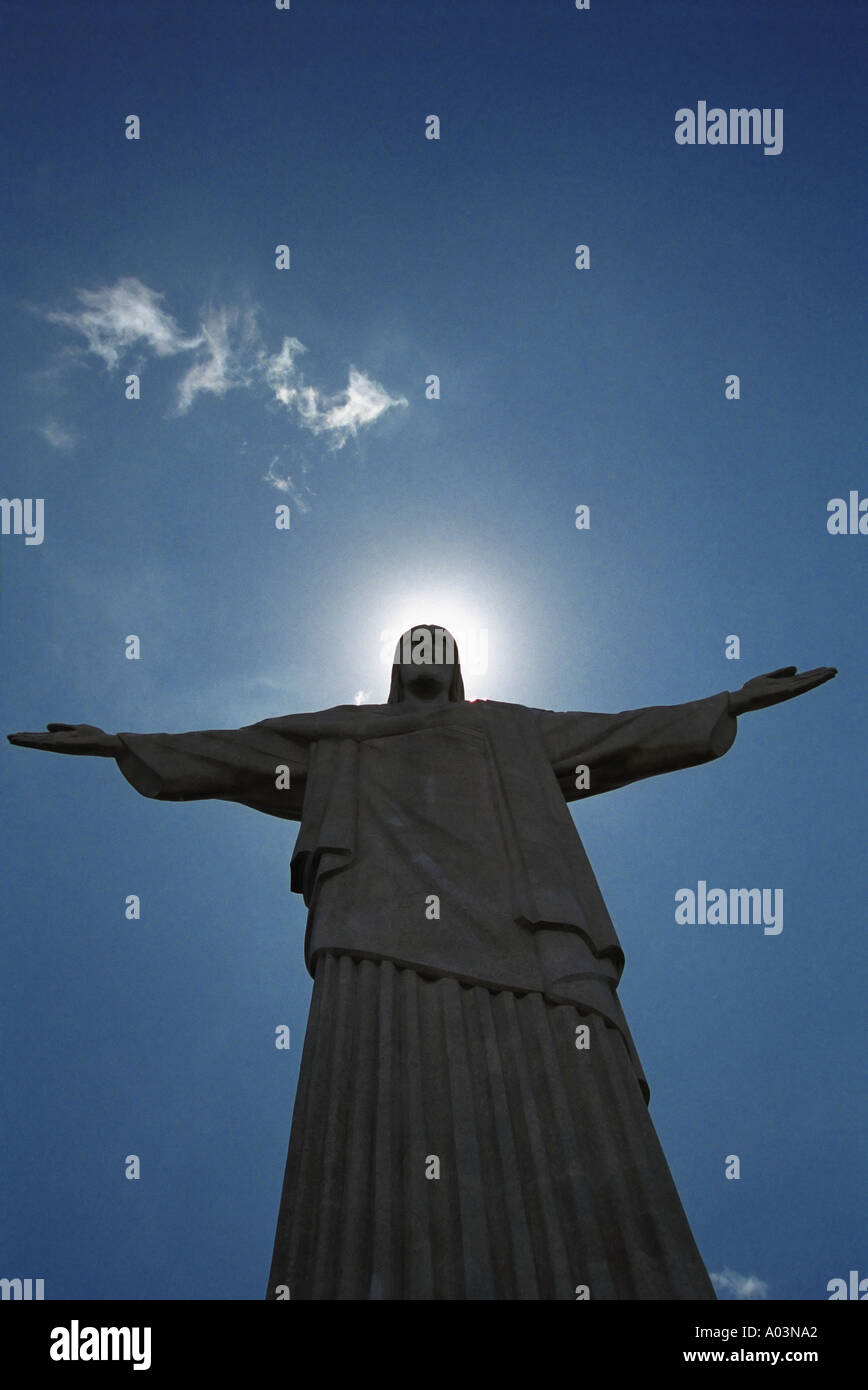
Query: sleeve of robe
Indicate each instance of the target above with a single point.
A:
(622, 748)
(228, 764)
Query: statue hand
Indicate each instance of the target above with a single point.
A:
(70, 738)
(775, 686)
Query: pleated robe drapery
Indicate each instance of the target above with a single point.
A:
(445, 880)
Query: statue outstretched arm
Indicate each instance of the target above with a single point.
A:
(263, 765)
(84, 739)
(784, 684)
(256, 765)
(594, 753)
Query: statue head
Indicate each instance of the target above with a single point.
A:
(426, 662)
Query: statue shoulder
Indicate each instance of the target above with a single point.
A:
(496, 707)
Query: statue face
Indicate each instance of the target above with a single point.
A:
(426, 661)
(426, 682)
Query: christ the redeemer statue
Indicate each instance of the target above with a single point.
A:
(471, 1117)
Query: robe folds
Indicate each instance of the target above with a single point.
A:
(437, 845)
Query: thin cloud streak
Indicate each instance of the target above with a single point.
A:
(123, 315)
(228, 355)
(340, 416)
(223, 366)
(299, 492)
(57, 435)
(729, 1284)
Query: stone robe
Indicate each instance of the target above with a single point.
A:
(466, 804)
(439, 842)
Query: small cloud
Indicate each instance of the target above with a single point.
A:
(223, 365)
(299, 492)
(739, 1286)
(361, 402)
(280, 370)
(58, 436)
(362, 697)
(118, 316)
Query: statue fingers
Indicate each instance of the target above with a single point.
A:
(808, 679)
(31, 740)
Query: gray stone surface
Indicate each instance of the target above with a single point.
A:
(435, 839)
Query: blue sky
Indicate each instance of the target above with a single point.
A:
(558, 387)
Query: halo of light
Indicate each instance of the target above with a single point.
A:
(470, 621)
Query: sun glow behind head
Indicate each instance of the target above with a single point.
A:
(476, 626)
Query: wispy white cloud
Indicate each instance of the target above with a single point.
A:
(58, 436)
(284, 482)
(362, 697)
(361, 402)
(227, 353)
(739, 1286)
(223, 364)
(281, 372)
(119, 316)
